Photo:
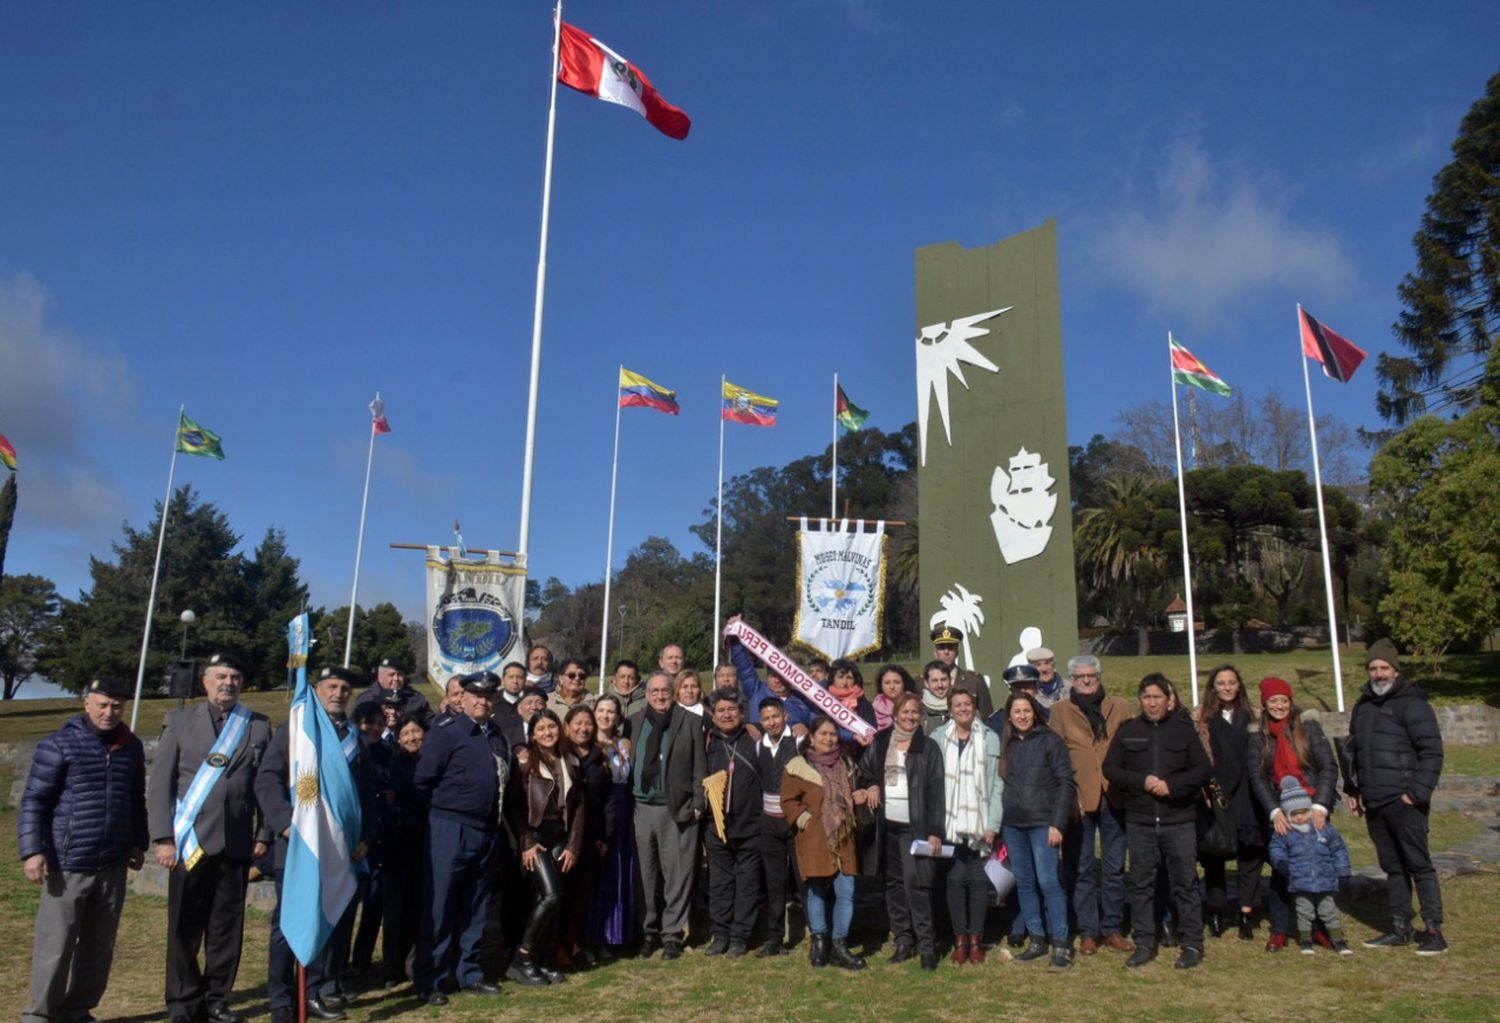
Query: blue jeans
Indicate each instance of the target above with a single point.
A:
(1035, 865)
(841, 887)
(1099, 907)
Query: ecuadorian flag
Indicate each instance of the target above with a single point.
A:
(743, 406)
(320, 878)
(638, 392)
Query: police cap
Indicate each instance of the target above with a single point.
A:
(1023, 675)
(946, 635)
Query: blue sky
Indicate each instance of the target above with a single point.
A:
(270, 211)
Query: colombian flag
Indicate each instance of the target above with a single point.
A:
(742, 406)
(638, 392)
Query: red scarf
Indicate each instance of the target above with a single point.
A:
(848, 697)
(1286, 762)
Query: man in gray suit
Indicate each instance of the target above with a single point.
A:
(200, 804)
(667, 780)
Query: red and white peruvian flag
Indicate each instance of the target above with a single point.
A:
(589, 66)
(378, 422)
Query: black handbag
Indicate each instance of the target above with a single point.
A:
(1218, 835)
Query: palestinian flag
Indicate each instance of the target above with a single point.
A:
(7, 453)
(850, 416)
(193, 439)
(1338, 356)
(586, 64)
(1188, 369)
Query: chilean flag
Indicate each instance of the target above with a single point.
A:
(589, 66)
(1338, 356)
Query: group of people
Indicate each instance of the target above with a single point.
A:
(590, 818)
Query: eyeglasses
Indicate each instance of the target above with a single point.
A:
(575, 674)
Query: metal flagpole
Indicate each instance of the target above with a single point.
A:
(719, 528)
(161, 538)
(1312, 432)
(359, 545)
(1187, 570)
(609, 547)
(833, 498)
(541, 289)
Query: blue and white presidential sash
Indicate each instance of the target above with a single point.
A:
(236, 725)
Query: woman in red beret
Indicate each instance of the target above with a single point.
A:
(1287, 742)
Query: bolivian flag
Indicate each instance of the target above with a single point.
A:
(193, 439)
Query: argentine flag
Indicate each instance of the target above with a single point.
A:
(320, 878)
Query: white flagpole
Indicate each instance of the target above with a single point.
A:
(1312, 432)
(161, 538)
(609, 547)
(359, 545)
(833, 500)
(541, 289)
(719, 528)
(1187, 570)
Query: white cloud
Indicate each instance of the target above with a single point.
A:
(53, 380)
(53, 385)
(1420, 146)
(866, 15)
(1205, 238)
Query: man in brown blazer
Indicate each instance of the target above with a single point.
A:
(1087, 721)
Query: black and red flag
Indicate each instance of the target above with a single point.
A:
(1338, 356)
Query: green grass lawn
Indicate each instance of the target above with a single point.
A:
(1478, 761)
(1238, 981)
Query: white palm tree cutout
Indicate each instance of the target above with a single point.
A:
(960, 609)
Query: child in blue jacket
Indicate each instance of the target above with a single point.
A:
(1315, 861)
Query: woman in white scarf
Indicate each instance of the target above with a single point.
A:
(972, 797)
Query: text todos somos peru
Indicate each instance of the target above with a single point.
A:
(788, 669)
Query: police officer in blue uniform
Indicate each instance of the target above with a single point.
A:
(462, 771)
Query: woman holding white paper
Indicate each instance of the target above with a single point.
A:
(971, 819)
(903, 774)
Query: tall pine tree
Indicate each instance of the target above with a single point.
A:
(1452, 317)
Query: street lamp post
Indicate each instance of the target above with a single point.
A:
(188, 618)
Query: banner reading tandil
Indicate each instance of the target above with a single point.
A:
(474, 613)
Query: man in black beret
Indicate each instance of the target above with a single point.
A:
(207, 756)
(82, 822)
(390, 676)
(945, 643)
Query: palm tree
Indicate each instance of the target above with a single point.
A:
(960, 608)
(1117, 557)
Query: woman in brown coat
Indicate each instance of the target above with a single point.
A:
(818, 796)
(544, 806)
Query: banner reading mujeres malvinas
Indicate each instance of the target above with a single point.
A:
(840, 588)
(474, 613)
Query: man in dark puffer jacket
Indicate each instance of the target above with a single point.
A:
(82, 821)
(1161, 767)
(1392, 760)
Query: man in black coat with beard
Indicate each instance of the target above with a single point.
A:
(1392, 761)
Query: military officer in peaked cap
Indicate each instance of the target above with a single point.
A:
(200, 804)
(462, 771)
(945, 643)
(325, 1000)
(390, 676)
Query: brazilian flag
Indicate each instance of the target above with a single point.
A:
(193, 439)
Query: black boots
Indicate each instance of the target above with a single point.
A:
(843, 958)
(817, 950)
(1247, 926)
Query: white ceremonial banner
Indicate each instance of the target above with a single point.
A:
(840, 588)
(474, 612)
(820, 698)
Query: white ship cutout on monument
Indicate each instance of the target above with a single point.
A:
(1023, 507)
